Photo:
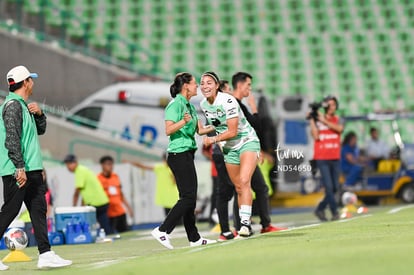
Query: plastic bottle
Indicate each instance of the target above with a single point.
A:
(85, 228)
(102, 234)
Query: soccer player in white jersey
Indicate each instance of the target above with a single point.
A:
(240, 144)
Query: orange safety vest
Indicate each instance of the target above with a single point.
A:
(112, 187)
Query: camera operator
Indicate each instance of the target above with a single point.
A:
(326, 130)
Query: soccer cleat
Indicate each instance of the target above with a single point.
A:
(51, 260)
(3, 266)
(245, 231)
(226, 236)
(202, 241)
(271, 228)
(321, 215)
(162, 237)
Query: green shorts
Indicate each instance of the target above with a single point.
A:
(232, 156)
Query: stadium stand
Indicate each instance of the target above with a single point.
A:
(360, 50)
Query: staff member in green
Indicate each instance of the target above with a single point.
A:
(181, 124)
(88, 186)
(21, 163)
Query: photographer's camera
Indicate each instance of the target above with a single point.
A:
(315, 106)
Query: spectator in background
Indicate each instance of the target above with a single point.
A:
(376, 149)
(88, 186)
(351, 161)
(117, 202)
(166, 192)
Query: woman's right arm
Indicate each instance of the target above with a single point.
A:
(171, 127)
(314, 129)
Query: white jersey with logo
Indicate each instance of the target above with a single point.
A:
(223, 108)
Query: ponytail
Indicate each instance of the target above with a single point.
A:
(179, 81)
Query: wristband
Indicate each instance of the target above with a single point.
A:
(18, 170)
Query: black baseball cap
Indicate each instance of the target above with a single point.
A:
(69, 158)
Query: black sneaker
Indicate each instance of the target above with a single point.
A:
(321, 215)
(226, 236)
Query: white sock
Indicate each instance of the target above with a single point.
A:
(245, 213)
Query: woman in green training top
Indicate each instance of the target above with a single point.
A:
(181, 124)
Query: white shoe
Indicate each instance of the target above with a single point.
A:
(202, 241)
(50, 260)
(245, 231)
(3, 266)
(162, 237)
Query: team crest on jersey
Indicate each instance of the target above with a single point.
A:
(220, 113)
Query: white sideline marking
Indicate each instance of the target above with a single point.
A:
(198, 249)
(107, 263)
(103, 264)
(301, 227)
(354, 218)
(398, 209)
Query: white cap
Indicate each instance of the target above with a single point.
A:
(18, 74)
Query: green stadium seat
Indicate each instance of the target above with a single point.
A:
(344, 18)
(354, 48)
(32, 6)
(368, 18)
(121, 50)
(54, 17)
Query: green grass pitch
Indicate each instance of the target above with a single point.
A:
(381, 242)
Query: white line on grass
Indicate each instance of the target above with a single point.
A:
(201, 248)
(106, 263)
(301, 227)
(198, 249)
(355, 218)
(398, 209)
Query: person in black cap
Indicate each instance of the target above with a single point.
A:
(21, 163)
